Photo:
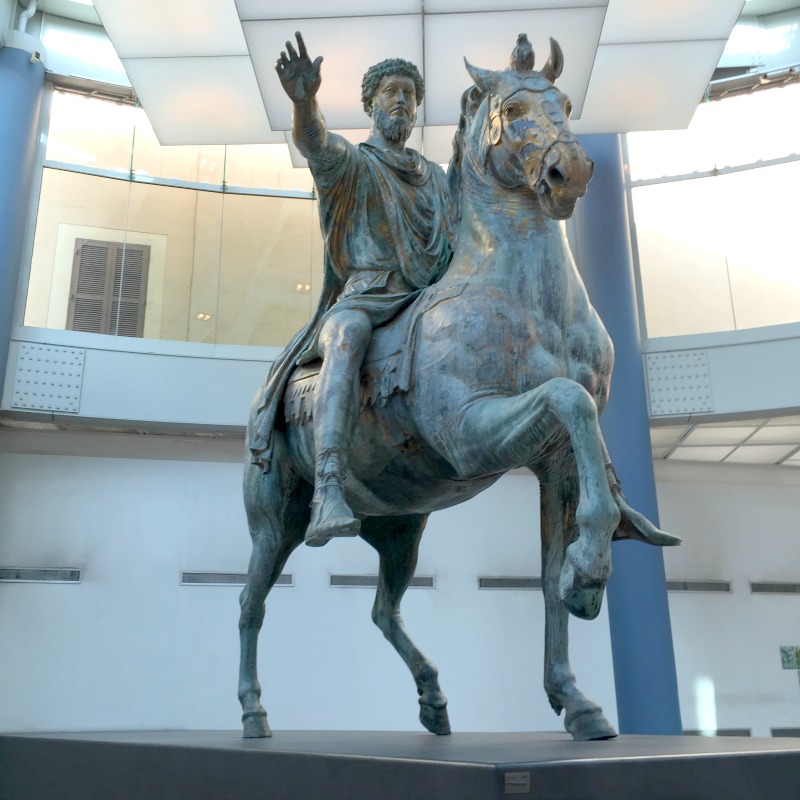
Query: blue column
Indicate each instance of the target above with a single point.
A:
(641, 636)
(21, 88)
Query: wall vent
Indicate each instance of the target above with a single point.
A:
(48, 378)
(678, 382)
(226, 579)
(39, 575)
(720, 732)
(774, 587)
(508, 582)
(787, 732)
(699, 586)
(371, 581)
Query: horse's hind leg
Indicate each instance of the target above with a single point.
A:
(584, 719)
(397, 541)
(277, 512)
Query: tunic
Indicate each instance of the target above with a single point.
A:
(387, 224)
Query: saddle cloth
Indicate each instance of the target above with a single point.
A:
(387, 367)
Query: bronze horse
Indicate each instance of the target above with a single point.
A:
(501, 364)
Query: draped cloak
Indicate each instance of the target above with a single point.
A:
(388, 227)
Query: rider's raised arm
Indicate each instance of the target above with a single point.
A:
(300, 78)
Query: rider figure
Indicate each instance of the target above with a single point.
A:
(384, 212)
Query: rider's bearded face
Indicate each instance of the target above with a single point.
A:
(394, 107)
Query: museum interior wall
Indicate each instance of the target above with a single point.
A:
(129, 646)
(739, 527)
(110, 488)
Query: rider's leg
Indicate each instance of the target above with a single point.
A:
(343, 344)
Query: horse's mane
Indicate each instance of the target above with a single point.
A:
(470, 102)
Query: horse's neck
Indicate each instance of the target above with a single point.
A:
(507, 243)
(504, 230)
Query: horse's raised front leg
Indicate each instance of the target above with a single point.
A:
(500, 433)
(397, 541)
(277, 512)
(583, 719)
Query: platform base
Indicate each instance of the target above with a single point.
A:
(336, 765)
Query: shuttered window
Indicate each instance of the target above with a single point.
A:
(109, 287)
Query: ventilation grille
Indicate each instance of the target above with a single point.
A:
(26, 575)
(720, 732)
(508, 582)
(699, 586)
(226, 579)
(371, 581)
(679, 383)
(787, 732)
(48, 378)
(774, 587)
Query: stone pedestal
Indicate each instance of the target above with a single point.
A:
(308, 765)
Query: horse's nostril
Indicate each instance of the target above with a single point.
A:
(556, 176)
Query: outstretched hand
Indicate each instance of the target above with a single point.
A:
(298, 74)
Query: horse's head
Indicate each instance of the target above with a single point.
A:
(519, 130)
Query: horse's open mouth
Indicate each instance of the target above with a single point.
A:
(553, 206)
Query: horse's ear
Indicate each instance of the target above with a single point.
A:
(555, 62)
(486, 80)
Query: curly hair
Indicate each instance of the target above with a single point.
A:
(391, 66)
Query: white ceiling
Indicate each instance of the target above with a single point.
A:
(204, 69)
(775, 440)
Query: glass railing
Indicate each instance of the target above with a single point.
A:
(715, 217)
(206, 244)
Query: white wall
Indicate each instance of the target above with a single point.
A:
(131, 648)
(739, 524)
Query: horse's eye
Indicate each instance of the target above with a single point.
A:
(512, 111)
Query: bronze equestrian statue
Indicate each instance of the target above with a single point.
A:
(453, 375)
(385, 214)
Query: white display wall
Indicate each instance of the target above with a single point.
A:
(129, 647)
(739, 524)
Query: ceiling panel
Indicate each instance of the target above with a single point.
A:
(343, 67)
(732, 423)
(721, 435)
(457, 6)
(700, 453)
(487, 39)
(153, 28)
(759, 454)
(776, 434)
(792, 420)
(201, 100)
(308, 9)
(670, 435)
(676, 20)
(643, 77)
(636, 87)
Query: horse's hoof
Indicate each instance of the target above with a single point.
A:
(582, 598)
(588, 725)
(435, 718)
(584, 603)
(255, 725)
